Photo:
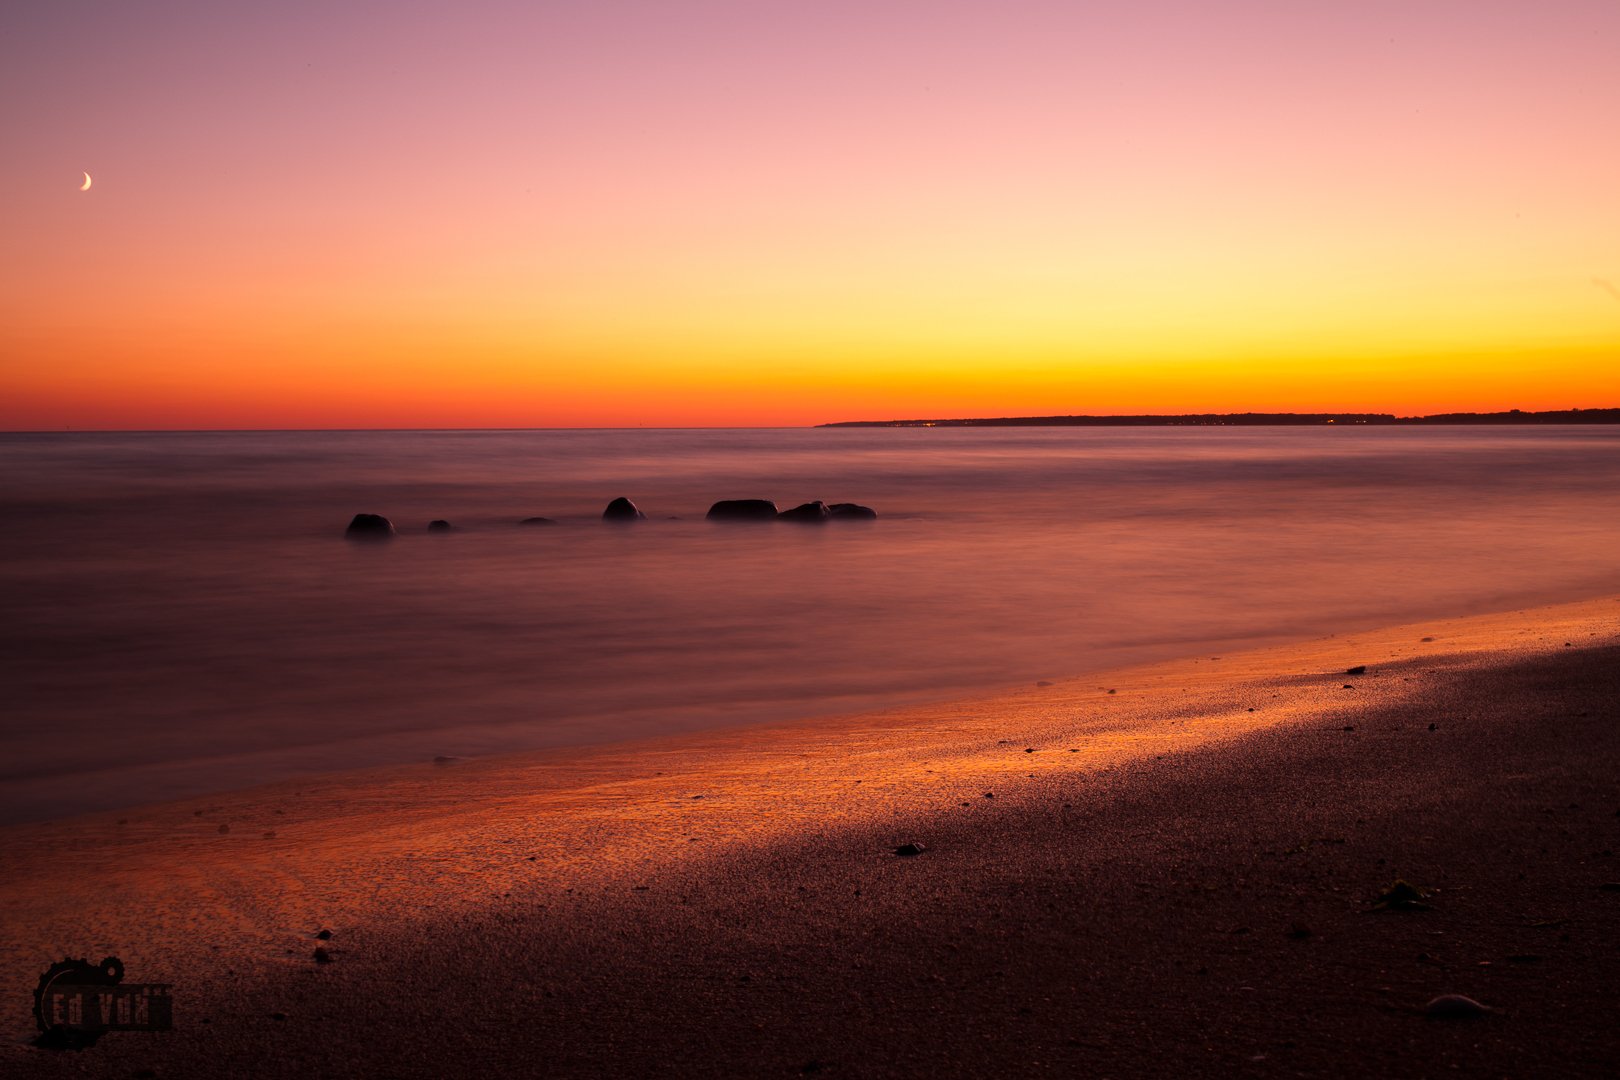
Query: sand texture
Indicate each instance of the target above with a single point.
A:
(1164, 871)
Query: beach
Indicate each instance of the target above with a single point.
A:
(1157, 870)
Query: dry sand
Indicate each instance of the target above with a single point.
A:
(1176, 874)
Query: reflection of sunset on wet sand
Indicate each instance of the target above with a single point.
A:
(1095, 840)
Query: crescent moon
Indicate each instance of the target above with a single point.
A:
(86, 185)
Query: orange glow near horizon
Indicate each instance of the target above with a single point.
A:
(751, 220)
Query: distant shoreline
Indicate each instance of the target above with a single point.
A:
(1252, 419)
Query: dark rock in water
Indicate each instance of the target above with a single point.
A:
(322, 956)
(1359, 669)
(622, 510)
(369, 527)
(910, 849)
(1454, 1007)
(743, 510)
(537, 521)
(439, 525)
(810, 513)
(851, 512)
(324, 935)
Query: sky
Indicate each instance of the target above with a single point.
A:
(748, 212)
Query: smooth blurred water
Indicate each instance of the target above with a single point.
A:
(183, 615)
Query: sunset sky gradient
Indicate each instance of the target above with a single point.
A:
(673, 213)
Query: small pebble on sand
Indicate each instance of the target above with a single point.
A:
(1403, 896)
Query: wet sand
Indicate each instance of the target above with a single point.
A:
(1166, 870)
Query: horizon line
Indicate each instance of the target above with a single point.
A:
(1030, 420)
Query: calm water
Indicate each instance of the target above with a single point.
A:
(182, 614)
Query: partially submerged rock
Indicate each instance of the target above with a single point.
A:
(851, 512)
(622, 509)
(439, 525)
(369, 527)
(810, 513)
(743, 510)
(537, 521)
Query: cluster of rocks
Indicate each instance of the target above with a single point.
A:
(812, 513)
(623, 511)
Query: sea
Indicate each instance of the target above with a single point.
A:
(182, 612)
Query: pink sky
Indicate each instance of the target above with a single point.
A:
(709, 212)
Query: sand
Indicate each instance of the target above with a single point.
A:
(1163, 870)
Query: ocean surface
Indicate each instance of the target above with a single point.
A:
(183, 615)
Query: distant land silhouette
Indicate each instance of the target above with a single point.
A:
(1251, 419)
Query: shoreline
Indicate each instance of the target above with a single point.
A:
(243, 772)
(1507, 418)
(397, 861)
